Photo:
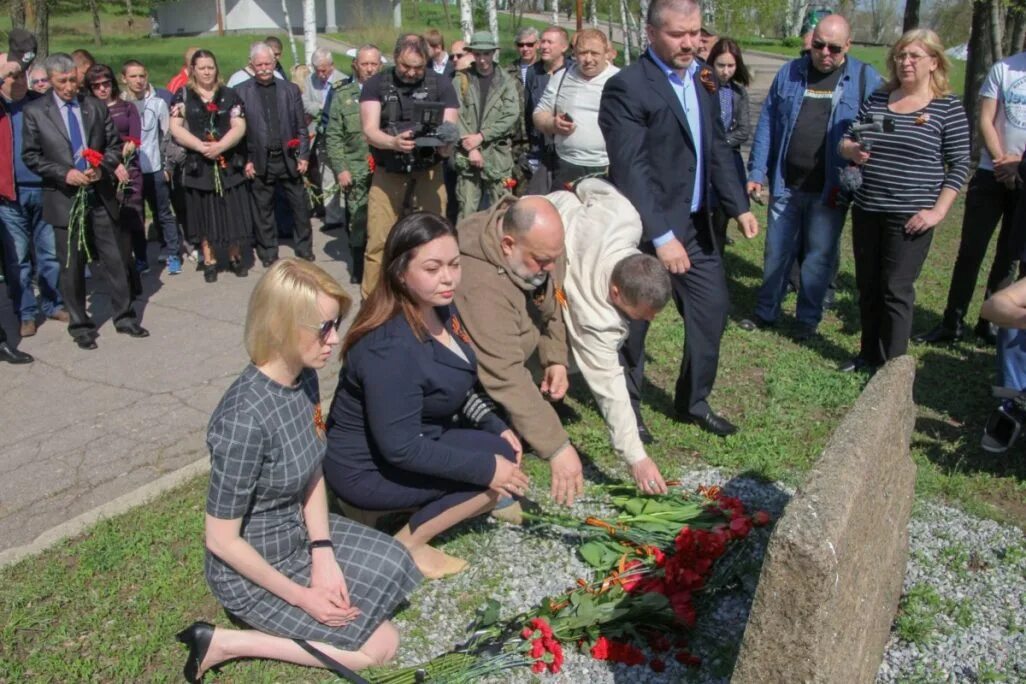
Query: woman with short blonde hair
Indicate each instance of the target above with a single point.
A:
(931, 45)
(313, 588)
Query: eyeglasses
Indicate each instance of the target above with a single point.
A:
(457, 55)
(523, 45)
(96, 85)
(324, 329)
(818, 45)
(910, 56)
(37, 81)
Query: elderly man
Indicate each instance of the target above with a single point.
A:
(811, 104)
(347, 151)
(552, 50)
(511, 300)
(315, 100)
(58, 128)
(527, 49)
(668, 154)
(278, 153)
(405, 179)
(569, 109)
(609, 282)
(489, 112)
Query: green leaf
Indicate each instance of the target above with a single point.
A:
(488, 614)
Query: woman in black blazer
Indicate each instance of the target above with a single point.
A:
(398, 432)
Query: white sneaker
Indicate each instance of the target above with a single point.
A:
(193, 255)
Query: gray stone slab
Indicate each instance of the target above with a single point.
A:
(833, 572)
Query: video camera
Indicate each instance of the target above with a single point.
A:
(429, 133)
(1005, 424)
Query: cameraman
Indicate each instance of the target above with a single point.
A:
(407, 178)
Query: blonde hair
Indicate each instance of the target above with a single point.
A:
(283, 301)
(939, 83)
(300, 73)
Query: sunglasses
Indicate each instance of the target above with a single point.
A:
(818, 45)
(324, 329)
(99, 84)
(523, 45)
(457, 55)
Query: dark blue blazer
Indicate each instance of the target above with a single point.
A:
(652, 154)
(396, 396)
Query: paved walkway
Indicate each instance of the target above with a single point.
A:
(92, 433)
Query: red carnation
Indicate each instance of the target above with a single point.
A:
(510, 183)
(541, 625)
(761, 518)
(212, 107)
(92, 157)
(526, 633)
(371, 164)
(130, 139)
(538, 667)
(600, 650)
(292, 144)
(657, 665)
(537, 649)
(740, 526)
(659, 643)
(630, 579)
(686, 658)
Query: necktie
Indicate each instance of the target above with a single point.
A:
(75, 136)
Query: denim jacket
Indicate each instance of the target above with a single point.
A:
(780, 113)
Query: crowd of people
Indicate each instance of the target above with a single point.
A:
(506, 225)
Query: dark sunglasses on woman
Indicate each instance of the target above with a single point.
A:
(324, 329)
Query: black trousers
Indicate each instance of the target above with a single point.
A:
(277, 175)
(986, 203)
(703, 303)
(109, 245)
(887, 263)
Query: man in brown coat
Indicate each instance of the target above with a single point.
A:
(511, 300)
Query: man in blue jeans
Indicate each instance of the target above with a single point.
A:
(26, 236)
(810, 106)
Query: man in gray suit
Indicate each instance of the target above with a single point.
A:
(279, 149)
(57, 130)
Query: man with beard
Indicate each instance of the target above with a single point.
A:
(667, 154)
(406, 178)
(511, 299)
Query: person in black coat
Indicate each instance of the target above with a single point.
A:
(279, 149)
(409, 426)
(58, 130)
(648, 115)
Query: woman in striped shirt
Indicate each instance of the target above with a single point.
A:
(911, 173)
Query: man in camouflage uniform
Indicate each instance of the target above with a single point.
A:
(490, 108)
(348, 154)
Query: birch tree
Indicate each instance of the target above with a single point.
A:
(288, 30)
(626, 32)
(94, 9)
(796, 10)
(309, 30)
(466, 19)
(555, 12)
(493, 19)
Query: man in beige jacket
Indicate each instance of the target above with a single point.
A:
(608, 283)
(511, 300)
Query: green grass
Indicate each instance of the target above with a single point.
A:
(871, 54)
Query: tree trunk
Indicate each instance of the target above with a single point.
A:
(288, 29)
(626, 32)
(911, 20)
(593, 15)
(17, 13)
(128, 9)
(555, 12)
(397, 13)
(796, 10)
(978, 63)
(466, 19)
(445, 8)
(94, 7)
(309, 30)
(1018, 33)
(42, 29)
(642, 34)
(493, 19)
(995, 21)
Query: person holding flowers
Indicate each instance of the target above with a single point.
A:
(101, 83)
(73, 145)
(208, 120)
(408, 427)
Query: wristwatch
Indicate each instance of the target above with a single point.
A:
(321, 543)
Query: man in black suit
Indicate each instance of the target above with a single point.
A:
(278, 152)
(57, 129)
(652, 114)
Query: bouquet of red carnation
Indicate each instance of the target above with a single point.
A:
(371, 164)
(293, 146)
(213, 136)
(509, 184)
(79, 213)
(129, 156)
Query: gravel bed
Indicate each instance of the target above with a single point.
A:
(966, 579)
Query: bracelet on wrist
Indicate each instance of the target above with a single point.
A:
(322, 544)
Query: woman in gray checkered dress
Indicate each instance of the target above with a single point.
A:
(276, 559)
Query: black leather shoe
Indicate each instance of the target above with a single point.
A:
(986, 331)
(803, 333)
(754, 323)
(197, 637)
(710, 422)
(941, 334)
(307, 256)
(12, 355)
(132, 330)
(87, 342)
(267, 263)
(238, 268)
(857, 365)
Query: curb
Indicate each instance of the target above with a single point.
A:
(122, 504)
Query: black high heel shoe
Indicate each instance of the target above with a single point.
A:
(197, 637)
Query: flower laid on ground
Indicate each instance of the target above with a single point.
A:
(650, 561)
(79, 214)
(123, 186)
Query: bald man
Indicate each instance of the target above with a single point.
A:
(811, 103)
(511, 301)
